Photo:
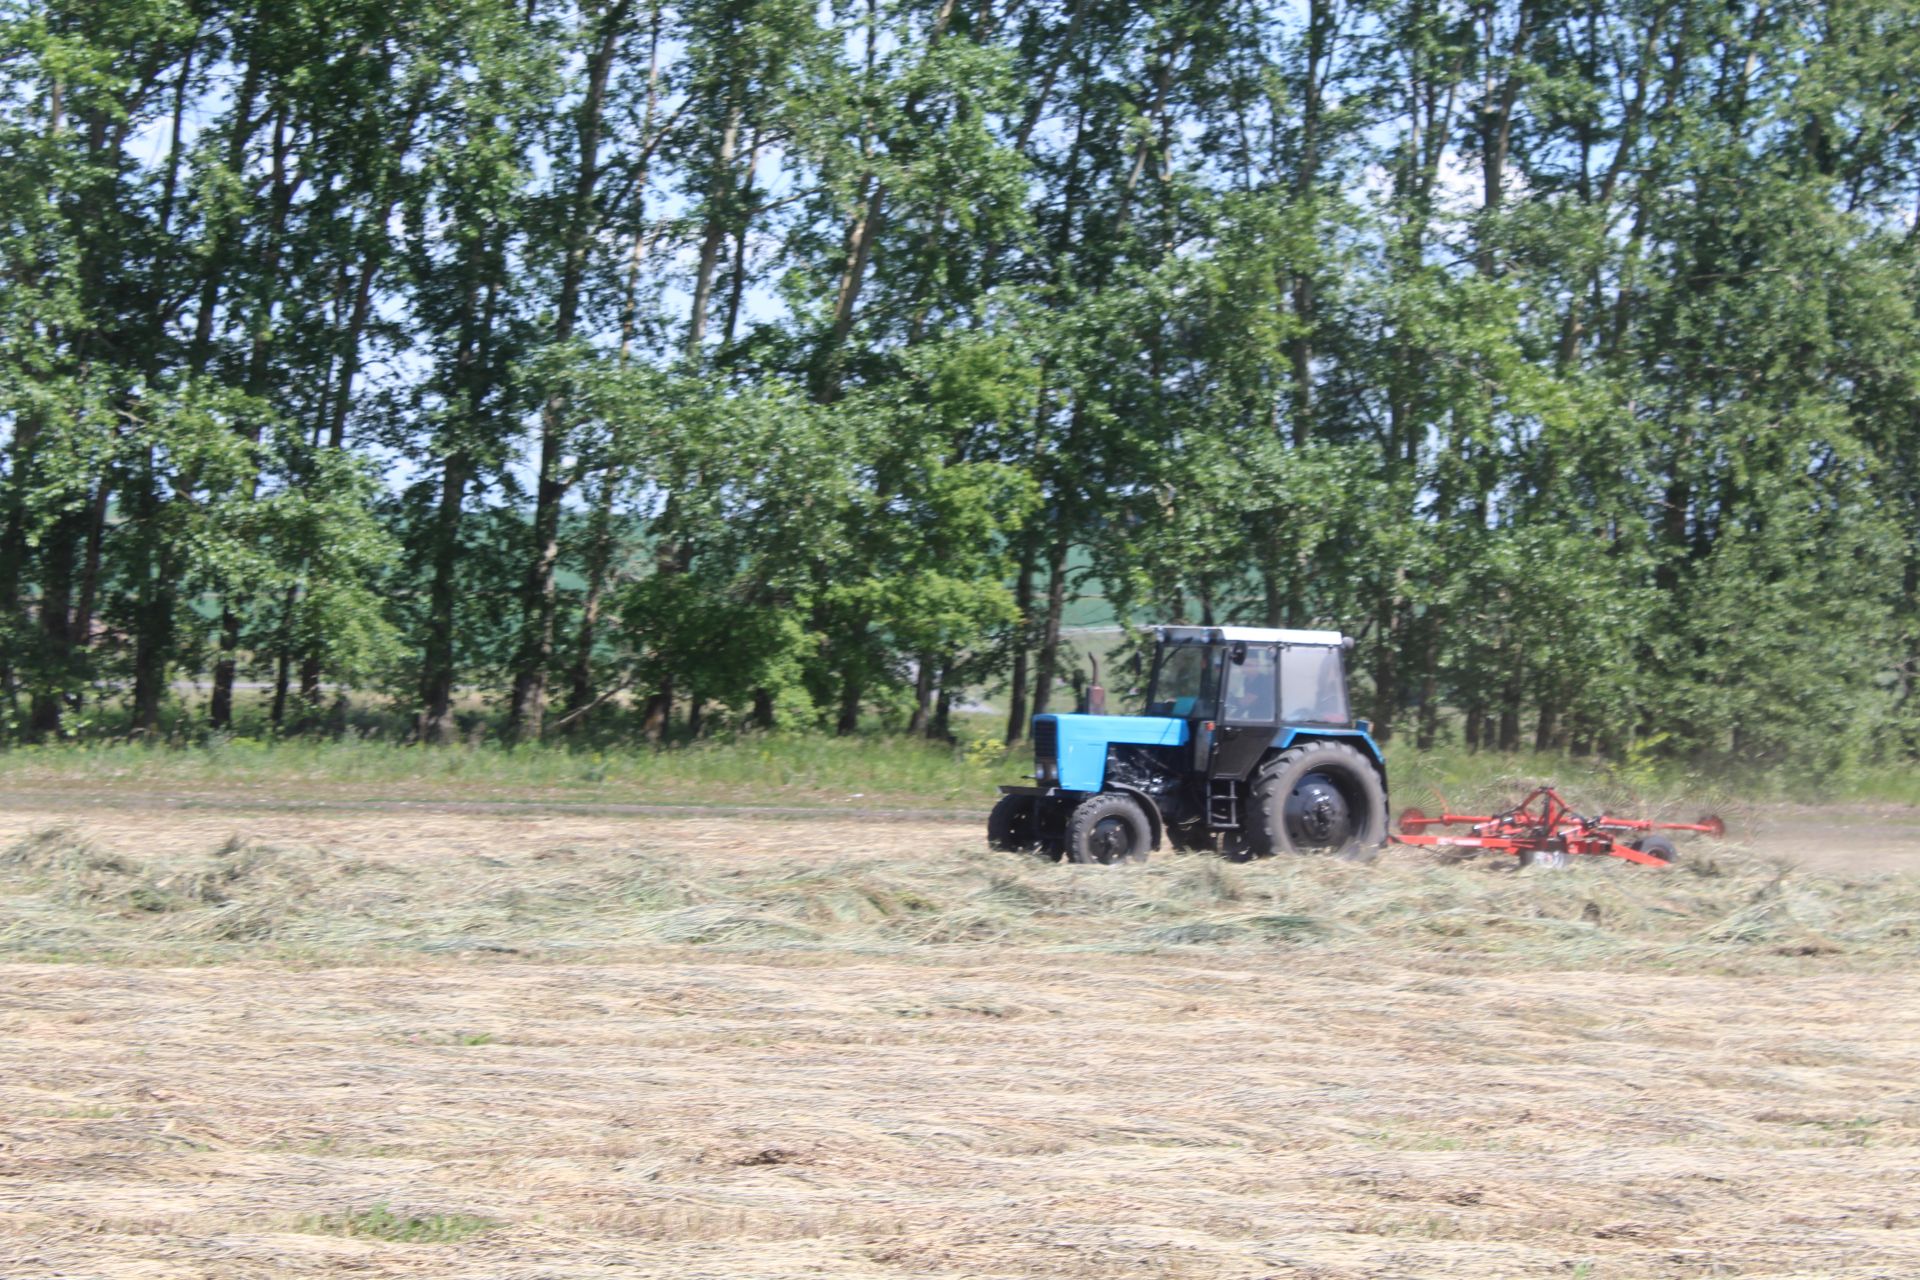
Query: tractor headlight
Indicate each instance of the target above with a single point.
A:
(1046, 771)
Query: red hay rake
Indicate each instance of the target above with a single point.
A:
(1543, 830)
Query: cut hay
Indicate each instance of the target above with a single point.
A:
(761, 1051)
(907, 889)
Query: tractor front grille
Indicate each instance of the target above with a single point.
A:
(1046, 747)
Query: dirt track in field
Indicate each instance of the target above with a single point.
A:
(972, 1109)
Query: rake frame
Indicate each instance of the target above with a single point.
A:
(1545, 828)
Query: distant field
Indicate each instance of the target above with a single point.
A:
(561, 1044)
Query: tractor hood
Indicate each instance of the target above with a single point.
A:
(1071, 751)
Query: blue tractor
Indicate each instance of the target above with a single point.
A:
(1245, 745)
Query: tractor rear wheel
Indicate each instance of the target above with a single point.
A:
(1318, 797)
(1108, 828)
(1013, 826)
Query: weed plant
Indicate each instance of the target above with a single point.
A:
(382, 1223)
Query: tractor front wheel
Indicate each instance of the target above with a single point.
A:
(1318, 797)
(1013, 826)
(1107, 828)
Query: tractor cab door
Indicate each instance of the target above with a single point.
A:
(1186, 686)
(1249, 709)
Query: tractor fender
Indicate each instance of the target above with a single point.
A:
(1361, 739)
(1154, 822)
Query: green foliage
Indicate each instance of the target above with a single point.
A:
(700, 365)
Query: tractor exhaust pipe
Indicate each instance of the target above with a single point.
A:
(1093, 701)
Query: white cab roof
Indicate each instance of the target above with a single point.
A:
(1251, 635)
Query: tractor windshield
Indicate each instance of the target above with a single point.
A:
(1313, 688)
(1183, 681)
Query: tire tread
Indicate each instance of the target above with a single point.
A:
(1266, 822)
(1107, 804)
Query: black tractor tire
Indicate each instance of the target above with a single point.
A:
(1108, 828)
(1013, 826)
(1661, 847)
(1318, 797)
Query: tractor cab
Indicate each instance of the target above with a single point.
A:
(1237, 686)
(1245, 742)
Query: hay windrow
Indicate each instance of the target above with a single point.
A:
(79, 896)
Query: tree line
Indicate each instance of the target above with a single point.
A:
(665, 366)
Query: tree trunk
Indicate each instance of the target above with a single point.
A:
(860, 236)
(1545, 731)
(737, 277)
(941, 730)
(1386, 675)
(851, 695)
(283, 658)
(436, 667)
(242, 131)
(1049, 664)
(283, 186)
(1496, 127)
(282, 688)
(56, 623)
(1275, 612)
(602, 541)
(658, 715)
(14, 539)
(1320, 23)
(1510, 713)
(220, 706)
(922, 696)
(154, 596)
(1017, 718)
(535, 658)
(153, 645)
(312, 693)
(1429, 723)
(90, 565)
(630, 291)
(536, 651)
(599, 560)
(719, 202)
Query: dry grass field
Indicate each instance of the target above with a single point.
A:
(405, 1044)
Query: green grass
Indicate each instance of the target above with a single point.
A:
(860, 771)
(382, 1223)
(770, 770)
